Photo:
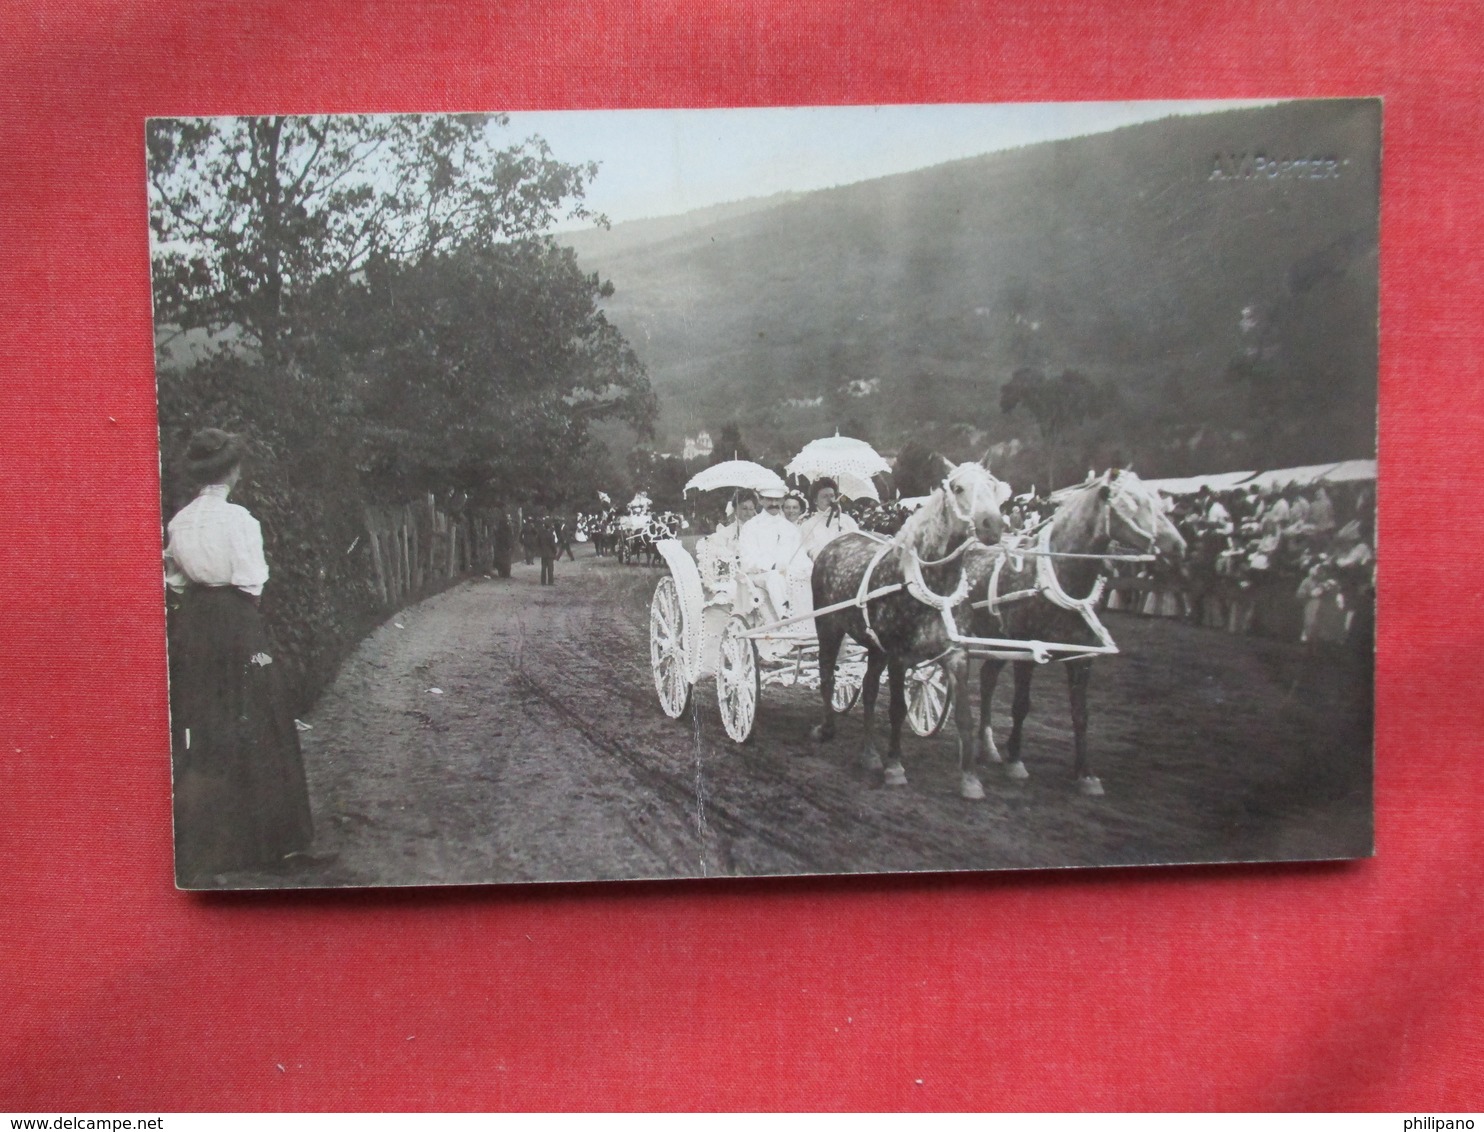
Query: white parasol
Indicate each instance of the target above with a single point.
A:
(853, 486)
(735, 474)
(849, 461)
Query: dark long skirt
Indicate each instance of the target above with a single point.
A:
(241, 800)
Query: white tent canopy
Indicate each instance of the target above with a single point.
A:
(1189, 485)
(1306, 476)
(1352, 471)
(1346, 471)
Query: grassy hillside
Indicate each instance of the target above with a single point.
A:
(1232, 310)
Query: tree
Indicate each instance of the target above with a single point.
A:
(486, 367)
(1309, 354)
(728, 444)
(916, 470)
(667, 483)
(389, 277)
(250, 215)
(1057, 405)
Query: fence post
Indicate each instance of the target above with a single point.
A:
(381, 588)
(404, 554)
(409, 551)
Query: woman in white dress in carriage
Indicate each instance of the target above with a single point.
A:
(817, 530)
(716, 554)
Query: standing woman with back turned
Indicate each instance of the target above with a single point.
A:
(241, 801)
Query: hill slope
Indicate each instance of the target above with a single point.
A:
(1221, 297)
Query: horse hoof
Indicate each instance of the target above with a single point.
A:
(821, 734)
(870, 760)
(971, 788)
(896, 776)
(1016, 770)
(1091, 786)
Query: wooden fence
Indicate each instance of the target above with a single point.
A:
(418, 548)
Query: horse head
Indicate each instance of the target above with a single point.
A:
(1136, 517)
(966, 503)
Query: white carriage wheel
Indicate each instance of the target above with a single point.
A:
(847, 691)
(667, 648)
(738, 683)
(929, 699)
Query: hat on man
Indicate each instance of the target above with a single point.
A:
(772, 492)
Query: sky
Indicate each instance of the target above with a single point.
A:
(664, 162)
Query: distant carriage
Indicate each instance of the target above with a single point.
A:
(641, 530)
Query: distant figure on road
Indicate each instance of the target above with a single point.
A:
(546, 546)
(530, 537)
(504, 543)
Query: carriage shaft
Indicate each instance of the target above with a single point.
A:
(854, 603)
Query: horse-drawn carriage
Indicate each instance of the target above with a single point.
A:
(697, 631)
(640, 531)
(709, 619)
(920, 606)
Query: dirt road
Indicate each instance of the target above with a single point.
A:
(505, 731)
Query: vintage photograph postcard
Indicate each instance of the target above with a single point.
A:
(579, 496)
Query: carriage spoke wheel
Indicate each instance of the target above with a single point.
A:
(667, 648)
(928, 699)
(737, 681)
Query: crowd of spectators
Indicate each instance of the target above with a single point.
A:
(1289, 562)
(1285, 561)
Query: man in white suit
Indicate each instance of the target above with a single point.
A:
(766, 544)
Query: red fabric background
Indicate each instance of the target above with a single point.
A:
(1320, 986)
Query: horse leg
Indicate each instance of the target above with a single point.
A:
(1079, 674)
(831, 636)
(896, 675)
(1020, 707)
(875, 662)
(989, 678)
(969, 785)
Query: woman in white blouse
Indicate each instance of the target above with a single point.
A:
(827, 522)
(241, 801)
(816, 530)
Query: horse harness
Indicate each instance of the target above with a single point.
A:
(912, 565)
(1049, 586)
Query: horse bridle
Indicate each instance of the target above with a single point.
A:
(1118, 492)
(966, 515)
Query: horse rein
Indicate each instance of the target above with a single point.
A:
(1048, 585)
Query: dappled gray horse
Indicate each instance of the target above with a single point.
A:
(906, 627)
